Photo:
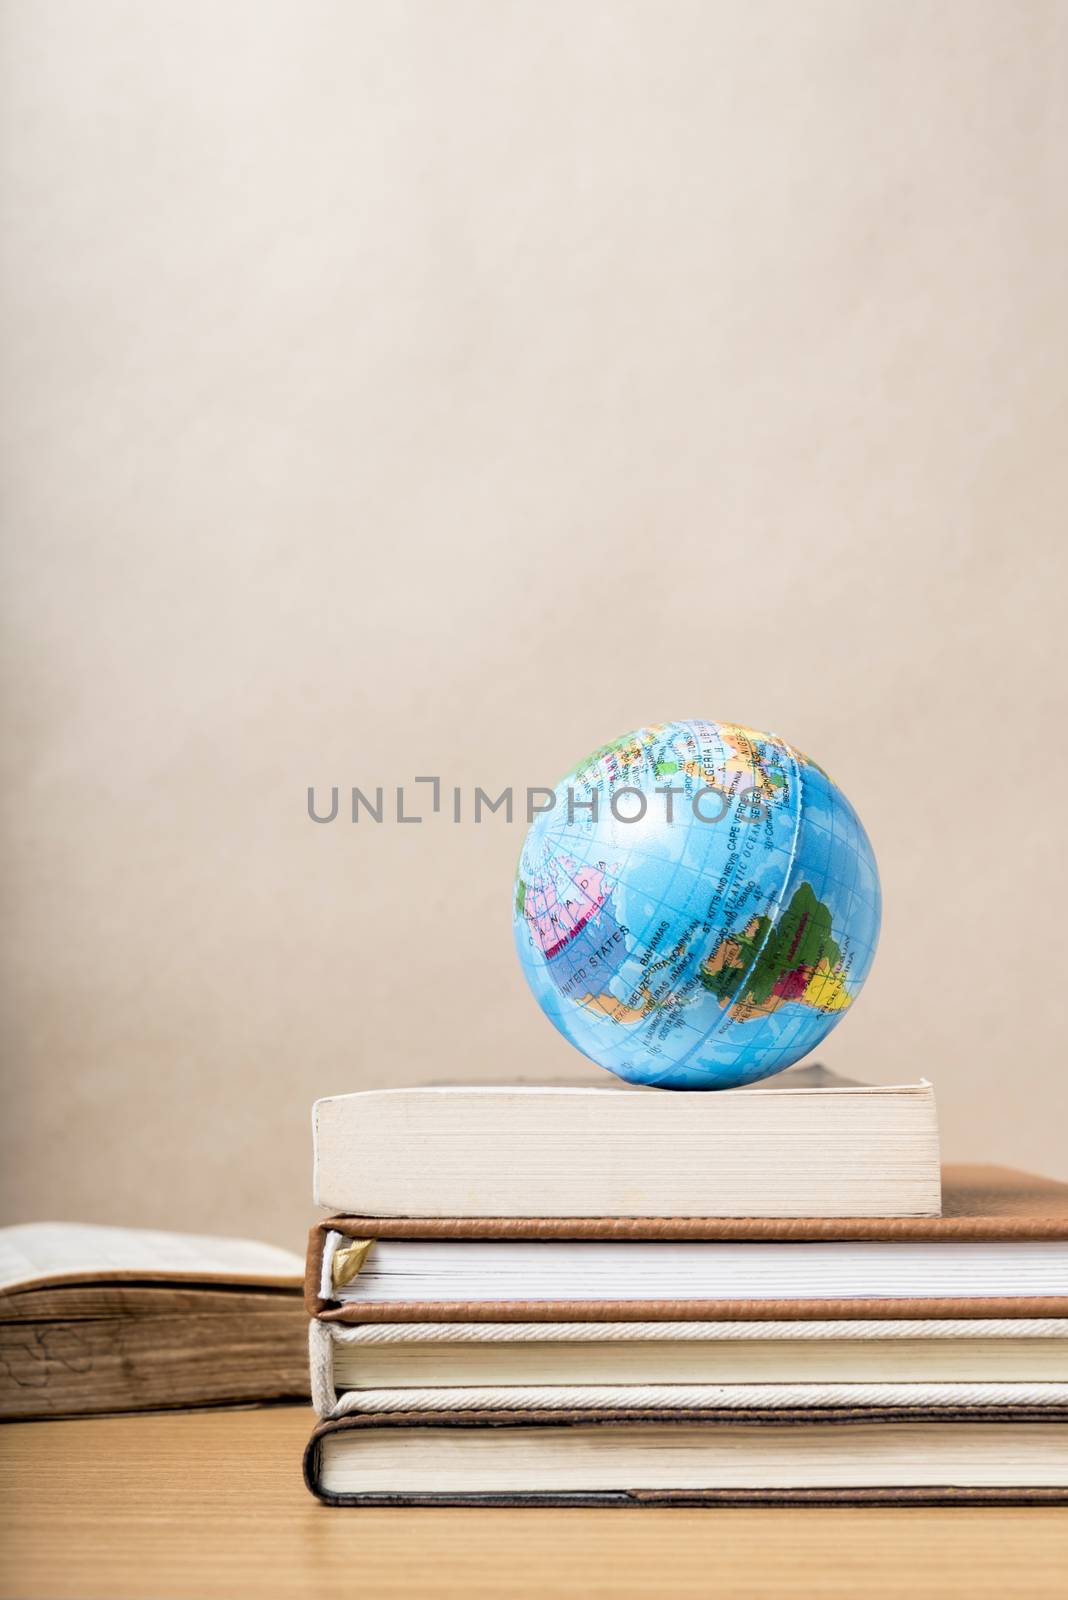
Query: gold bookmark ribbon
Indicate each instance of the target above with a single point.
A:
(348, 1260)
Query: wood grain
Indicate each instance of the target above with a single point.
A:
(211, 1505)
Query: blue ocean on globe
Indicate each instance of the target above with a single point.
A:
(698, 906)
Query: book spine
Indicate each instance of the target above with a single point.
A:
(321, 1362)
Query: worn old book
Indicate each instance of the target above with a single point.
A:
(999, 1249)
(804, 1144)
(551, 1366)
(619, 1458)
(96, 1319)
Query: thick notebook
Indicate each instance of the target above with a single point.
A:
(411, 1366)
(804, 1144)
(96, 1319)
(609, 1458)
(999, 1249)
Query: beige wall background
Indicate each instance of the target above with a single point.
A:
(445, 388)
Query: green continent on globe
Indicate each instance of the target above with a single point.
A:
(797, 959)
(709, 941)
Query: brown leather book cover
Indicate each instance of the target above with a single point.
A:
(637, 1496)
(979, 1203)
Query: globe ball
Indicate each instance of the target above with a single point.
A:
(697, 906)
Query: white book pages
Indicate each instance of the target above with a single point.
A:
(400, 1271)
(601, 1457)
(38, 1253)
(804, 1144)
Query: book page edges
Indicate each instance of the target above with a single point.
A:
(614, 1092)
(207, 1280)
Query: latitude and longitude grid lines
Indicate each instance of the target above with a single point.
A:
(848, 890)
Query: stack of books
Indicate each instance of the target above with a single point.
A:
(614, 1296)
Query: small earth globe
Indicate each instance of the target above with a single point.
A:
(697, 906)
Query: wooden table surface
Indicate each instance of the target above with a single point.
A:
(211, 1504)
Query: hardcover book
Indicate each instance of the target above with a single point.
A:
(613, 1458)
(685, 1365)
(999, 1249)
(96, 1319)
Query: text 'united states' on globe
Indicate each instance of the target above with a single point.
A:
(699, 908)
